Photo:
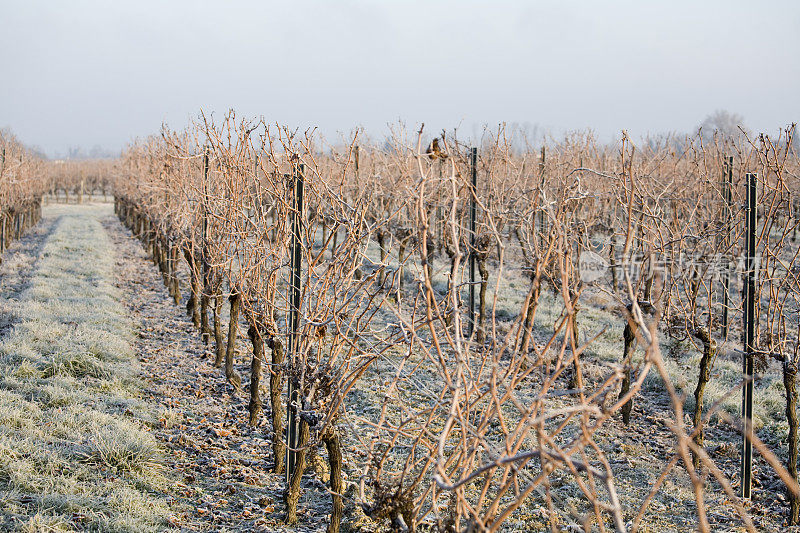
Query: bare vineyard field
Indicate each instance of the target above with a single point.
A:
(569, 359)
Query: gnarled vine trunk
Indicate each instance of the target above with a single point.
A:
(193, 304)
(233, 330)
(334, 446)
(205, 300)
(484, 272)
(292, 494)
(790, 384)
(219, 340)
(706, 362)
(629, 336)
(255, 405)
(275, 392)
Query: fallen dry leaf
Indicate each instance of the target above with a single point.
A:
(221, 432)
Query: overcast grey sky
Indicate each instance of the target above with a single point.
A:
(103, 72)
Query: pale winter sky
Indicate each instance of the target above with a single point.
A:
(86, 73)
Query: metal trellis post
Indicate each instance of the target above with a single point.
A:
(293, 420)
(473, 210)
(749, 336)
(727, 184)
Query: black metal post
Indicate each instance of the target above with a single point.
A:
(205, 202)
(727, 185)
(473, 215)
(749, 335)
(293, 420)
(204, 262)
(542, 214)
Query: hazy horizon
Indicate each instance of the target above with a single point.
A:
(94, 74)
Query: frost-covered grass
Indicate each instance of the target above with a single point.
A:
(75, 450)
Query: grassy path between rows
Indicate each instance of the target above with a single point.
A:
(76, 449)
